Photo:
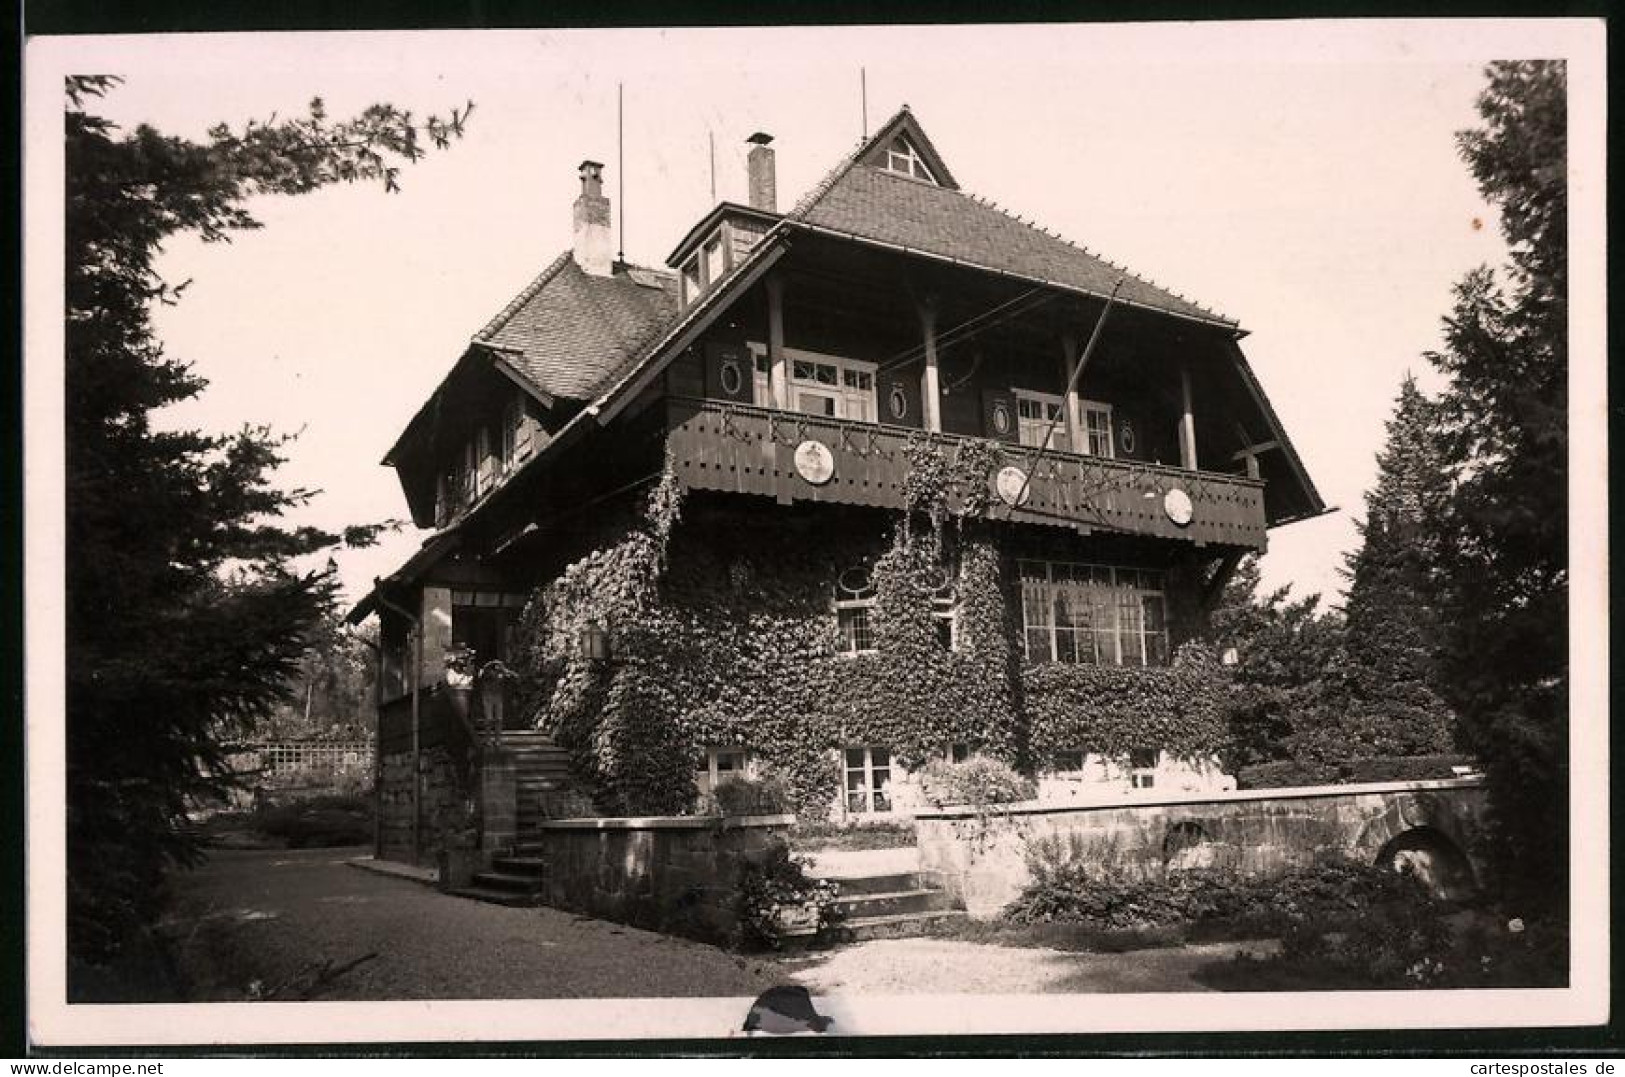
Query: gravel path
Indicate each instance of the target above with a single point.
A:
(276, 917)
(942, 966)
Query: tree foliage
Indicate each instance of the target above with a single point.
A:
(186, 612)
(1502, 533)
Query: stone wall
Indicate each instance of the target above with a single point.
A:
(675, 874)
(982, 860)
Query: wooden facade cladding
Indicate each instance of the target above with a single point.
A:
(740, 448)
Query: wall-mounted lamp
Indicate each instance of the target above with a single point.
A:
(594, 642)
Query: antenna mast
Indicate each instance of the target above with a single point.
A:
(863, 97)
(711, 141)
(620, 165)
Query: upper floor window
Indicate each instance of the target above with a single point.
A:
(905, 160)
(827, 384)
(854, 602)
(1041, 413)
(1096, 614)
(693, 283)
(713, 261)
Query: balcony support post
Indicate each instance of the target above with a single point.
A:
(1187, 421)
(778, 366)
(930, 380)
(1069, 351)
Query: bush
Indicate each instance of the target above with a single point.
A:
(979, 781)
(822, 834)
(319, 822)
(1074, 884)
(748, 796)
(1389, 768)
(777, 885)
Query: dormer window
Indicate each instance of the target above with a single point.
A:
(692, 283)
(905, 160)
(713, 261)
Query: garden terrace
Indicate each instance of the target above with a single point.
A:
(741, 448)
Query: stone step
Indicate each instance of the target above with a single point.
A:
(512, 898)
(532, 866)
(507, 882)
(865, 906)
(872, 884)
(894, 925)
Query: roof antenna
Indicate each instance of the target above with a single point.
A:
(620, 166)
(711, 140)
(863, 97)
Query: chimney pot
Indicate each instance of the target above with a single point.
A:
(764, 193)
(592, 238)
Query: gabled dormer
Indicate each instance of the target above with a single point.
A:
(902, 148)
(724, 237)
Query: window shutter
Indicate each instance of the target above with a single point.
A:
(729, 372)
(999, 418)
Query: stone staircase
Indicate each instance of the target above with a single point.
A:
(883, 894)
(516, 878)
(542, 783)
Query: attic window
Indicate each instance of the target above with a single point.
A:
(905, 160)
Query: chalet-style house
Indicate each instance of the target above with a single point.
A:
(827, 498)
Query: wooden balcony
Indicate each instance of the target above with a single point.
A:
(742, 449)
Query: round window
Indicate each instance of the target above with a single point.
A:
(1125, 436)
(898, 402)
(732, 379)
(1001, 418)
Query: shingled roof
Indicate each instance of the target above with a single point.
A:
(866, 202)
(570, 333)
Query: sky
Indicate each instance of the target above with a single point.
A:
(1301, 179)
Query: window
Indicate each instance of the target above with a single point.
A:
(943, 611)
(516, 435)
(1038, 414)
(1067, 762)
(868, 779)
(854, 602)
(692, 285)
(713, 262)
(824, 384)
(1093, 614)
(1037, 411)
(1142, 768)
(958, 753)
(722, 764)
(905, 160)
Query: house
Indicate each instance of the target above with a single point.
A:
(846, 487)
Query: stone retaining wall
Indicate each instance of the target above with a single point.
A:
(674, 874)
(982, 859)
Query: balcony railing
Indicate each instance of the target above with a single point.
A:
(750, 450)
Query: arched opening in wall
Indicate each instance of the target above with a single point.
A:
(1436, 861)
(1186, 845)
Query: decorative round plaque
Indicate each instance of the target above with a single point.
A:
(1011, 482)
(1177, 504)
(1001, 418)
(898, 402)
(732, 380)
(814, 462)
(1125, 435)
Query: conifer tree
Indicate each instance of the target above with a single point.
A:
(1502, 535)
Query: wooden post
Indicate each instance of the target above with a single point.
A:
(930, 381)
(778, 367)
(1069, 350)
(1187, 421)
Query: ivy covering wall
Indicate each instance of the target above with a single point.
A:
(722, 632)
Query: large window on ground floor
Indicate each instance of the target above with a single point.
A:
(867, 770)
(1093, 614)
(722, 764)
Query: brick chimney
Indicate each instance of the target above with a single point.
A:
(593, 251)
(764, 193)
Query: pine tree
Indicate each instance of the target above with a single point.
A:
(1388, 694)
(1502, 534)
(186, 615)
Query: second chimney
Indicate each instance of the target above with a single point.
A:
(764, 193)
(592, 238)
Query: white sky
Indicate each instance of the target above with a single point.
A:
(1302, 180)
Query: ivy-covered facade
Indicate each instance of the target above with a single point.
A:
(888, 477)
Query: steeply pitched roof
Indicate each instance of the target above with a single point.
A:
(866, 202)
(569, 332)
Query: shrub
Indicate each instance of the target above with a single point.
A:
(749, 796)
(774, 886)
(1087, 883)
(318, 822)
(979, 781)
(1389, 768)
